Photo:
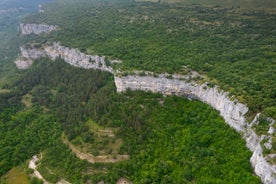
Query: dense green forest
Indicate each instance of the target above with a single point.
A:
(169, 139)
(233, 46)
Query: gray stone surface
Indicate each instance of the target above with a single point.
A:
(23, 64)
(71, 56)
(36, 28)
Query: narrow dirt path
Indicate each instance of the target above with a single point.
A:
(36, 173)
(32, 165)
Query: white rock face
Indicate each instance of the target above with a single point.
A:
(32, 53)
(25, 61)
(36, 28)
(3, 11)
(23, 64)
(32, 165)
(40, 10)
(232, 111)
(71, 56)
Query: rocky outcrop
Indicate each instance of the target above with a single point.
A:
(23, 64)
(40, 10)
(11, 10)
(31, 53)
(36, 28)
(232, 111)
(71, 56)
(77, 58)
(33, 166)
(26, 59)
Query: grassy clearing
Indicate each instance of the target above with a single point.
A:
(105, 140)
(104, 148)
(2, 91)
(100, 130)
(94, 157)
(27, 100)
(17, 175)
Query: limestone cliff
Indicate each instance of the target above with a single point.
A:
(71, 56)
(36, 28)
(232, 111)
(23, 63)
(10, 10)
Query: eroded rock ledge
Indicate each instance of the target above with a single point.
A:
(27, 29)
(232, 111)
(71, 56)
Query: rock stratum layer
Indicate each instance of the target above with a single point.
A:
(27, 29)
(232, 111)
(71, 56)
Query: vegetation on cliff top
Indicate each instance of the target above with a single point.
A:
(233, 46)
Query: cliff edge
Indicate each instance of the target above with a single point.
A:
(231, 110)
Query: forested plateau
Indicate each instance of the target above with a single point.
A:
(60, 112)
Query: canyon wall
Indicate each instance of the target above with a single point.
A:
(72, 56)
(232, 111)
(27, 29)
